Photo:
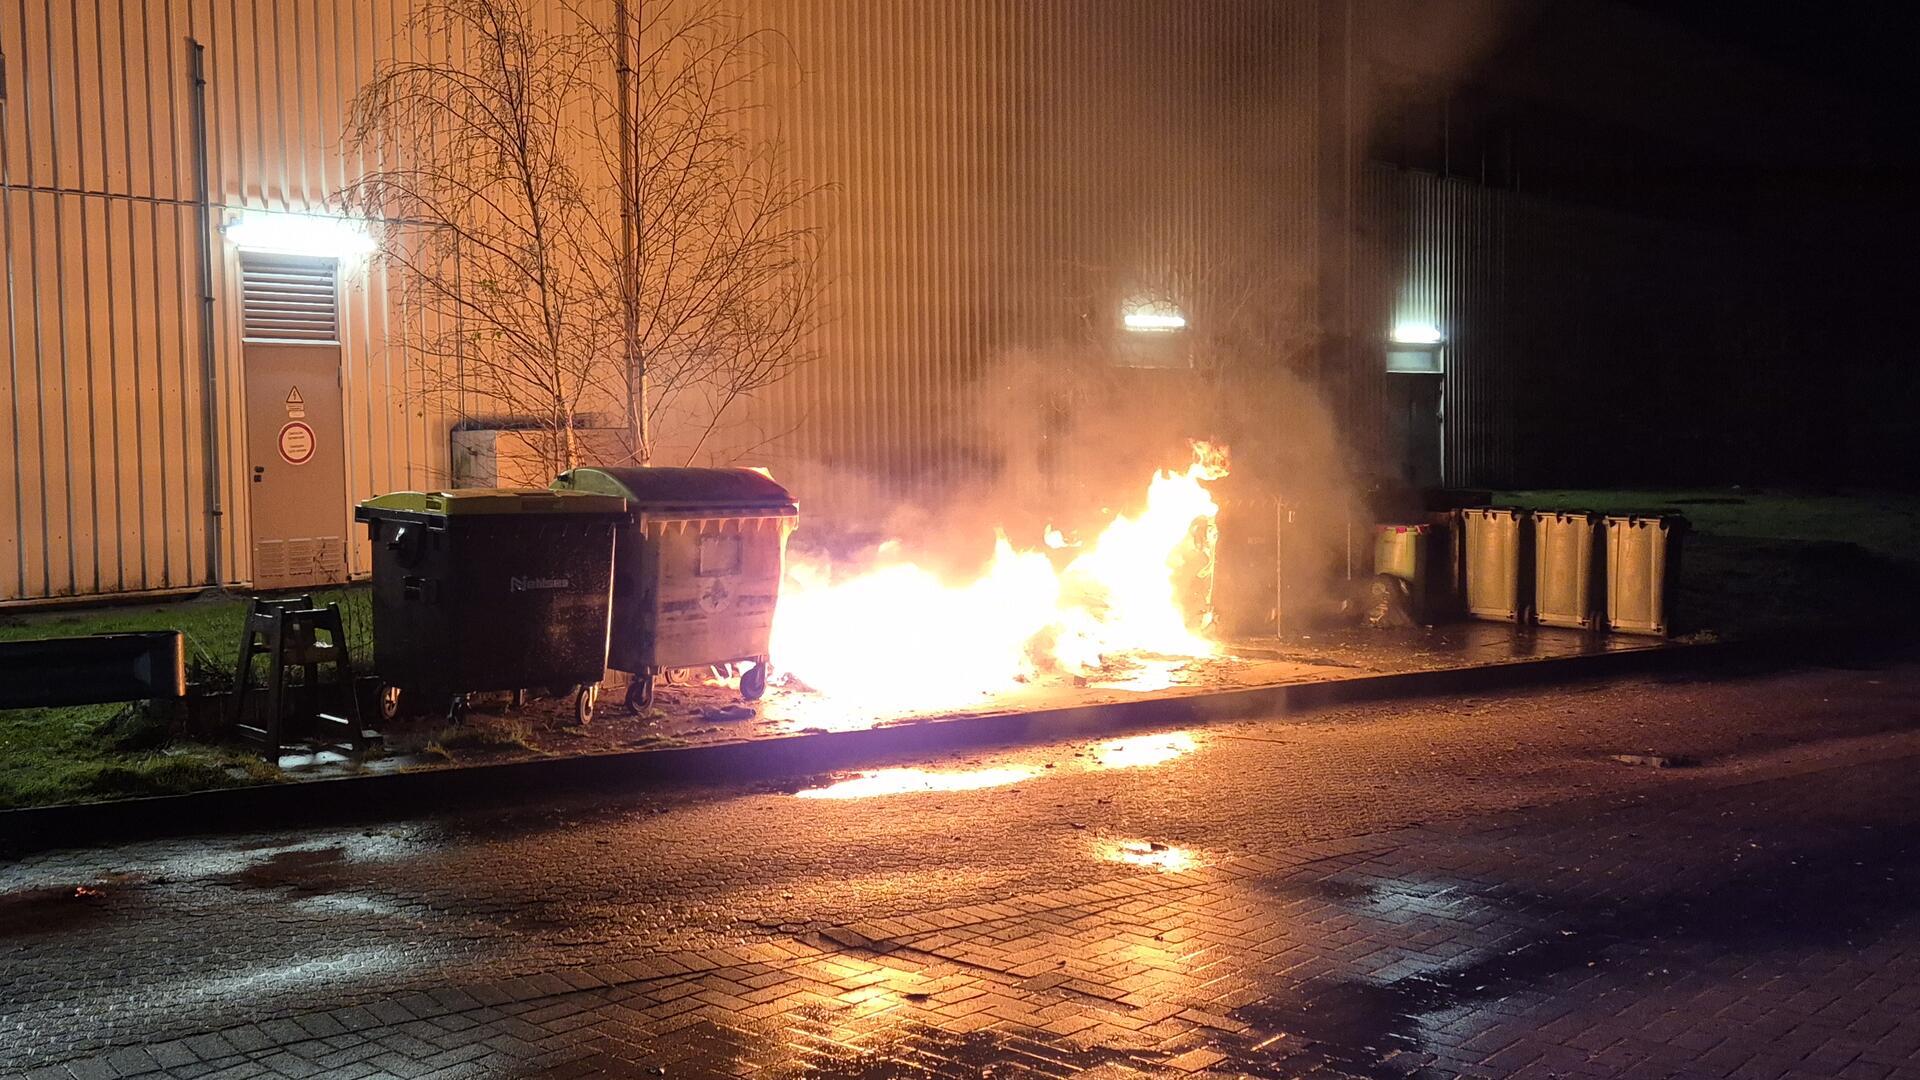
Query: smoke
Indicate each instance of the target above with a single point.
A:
(1199, 181)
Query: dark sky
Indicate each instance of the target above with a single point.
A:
(1867, 45)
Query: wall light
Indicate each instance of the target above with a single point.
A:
(1158, 319)
(318, 235)
(1418, 334)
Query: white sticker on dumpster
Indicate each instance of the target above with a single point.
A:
(296, 443)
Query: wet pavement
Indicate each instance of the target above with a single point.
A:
(1462, 887)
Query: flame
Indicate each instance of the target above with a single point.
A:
(899, 637)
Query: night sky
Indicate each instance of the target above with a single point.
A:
(1864, 45)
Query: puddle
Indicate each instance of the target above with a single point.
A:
(1821, 897)
(52, 909)
(305, 870)
(1152, 855)
(867, 785)
(1141, 751)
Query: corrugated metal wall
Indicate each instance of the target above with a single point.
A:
(105, 486)
(987, 159)
(1433, 254)
(1584, 346)
(1001, 170)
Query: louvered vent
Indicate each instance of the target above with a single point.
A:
(289, 297)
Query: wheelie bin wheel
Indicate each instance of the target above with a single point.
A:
(640, 693)
(583, 703)
(753, 681)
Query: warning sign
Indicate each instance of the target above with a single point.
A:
(296, 443)
(296, 405)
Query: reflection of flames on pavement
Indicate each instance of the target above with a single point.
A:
(897, 636)
(1153, 855)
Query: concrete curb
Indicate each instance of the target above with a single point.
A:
(392, 794)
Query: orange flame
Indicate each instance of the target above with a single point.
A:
(898, 637)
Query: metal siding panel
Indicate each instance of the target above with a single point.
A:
(975, 147)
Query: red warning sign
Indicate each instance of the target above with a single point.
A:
(296, 443)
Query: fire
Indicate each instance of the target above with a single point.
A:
(898, 637)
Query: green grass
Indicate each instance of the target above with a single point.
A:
(211, 625)
(90, 752)
(481, 733)
(1768, 563)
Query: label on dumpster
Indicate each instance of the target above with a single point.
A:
(532, 584)
(296, 443)
(715, 597)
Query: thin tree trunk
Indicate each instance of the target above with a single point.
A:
(635, 364)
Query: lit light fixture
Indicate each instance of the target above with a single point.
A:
(1154, 319)
(1418, 334)
(318, 235)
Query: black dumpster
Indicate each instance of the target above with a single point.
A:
(697, 570)
(490, 589)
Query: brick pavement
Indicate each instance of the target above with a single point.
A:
(1755, 923)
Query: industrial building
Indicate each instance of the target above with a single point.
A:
(1484, 250)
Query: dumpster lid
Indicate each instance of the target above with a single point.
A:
(647, 487)
(461, 502)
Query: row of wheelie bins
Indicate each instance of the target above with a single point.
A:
(1568, 568)
(640, 570)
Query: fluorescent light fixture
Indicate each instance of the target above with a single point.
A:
(1158, 318)
(319, 235)
(1418, 334)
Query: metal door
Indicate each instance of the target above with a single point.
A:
(296, 457)
(1415, 426)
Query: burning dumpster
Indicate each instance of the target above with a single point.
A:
(482, 589)
(696, 572)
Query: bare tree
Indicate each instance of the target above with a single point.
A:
(498, 159)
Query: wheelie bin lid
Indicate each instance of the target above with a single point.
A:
(465, 502)
(650, 488)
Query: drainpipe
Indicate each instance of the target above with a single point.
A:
(209, 365)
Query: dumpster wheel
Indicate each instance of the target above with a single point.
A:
(583, 702)
(640, 692)
(753, 681)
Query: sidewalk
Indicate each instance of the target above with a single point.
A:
(710, 715)
(704, 734)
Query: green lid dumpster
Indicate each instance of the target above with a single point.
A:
(697, 570)
(484, 589)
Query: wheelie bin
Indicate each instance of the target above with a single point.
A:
(486, 589)
(1498, 563)
(1568, 571)
(696, 571)
(1643, 565)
